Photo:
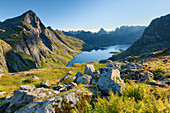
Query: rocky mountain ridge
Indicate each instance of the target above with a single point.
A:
(35, 43)
(122, 35)
(155, 37)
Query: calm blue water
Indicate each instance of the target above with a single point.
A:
(97, 55)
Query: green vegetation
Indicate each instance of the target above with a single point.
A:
(135, 98)
(12, 82)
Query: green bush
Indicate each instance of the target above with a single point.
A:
(159, 71)
(135, 98)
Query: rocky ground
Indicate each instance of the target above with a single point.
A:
(72, 90)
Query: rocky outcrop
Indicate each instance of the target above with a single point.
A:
(41, 100)
(67, 79)
(36, 44)
(85, 79)
(155, 37)
(105, 85)
(27, 94)
(11, 61)
(89, 69)
(3, 64)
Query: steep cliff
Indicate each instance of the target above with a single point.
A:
(155, 37)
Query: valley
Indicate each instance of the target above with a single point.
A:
(45, 70)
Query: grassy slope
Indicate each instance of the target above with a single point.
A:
(136, 97)
(12, 82)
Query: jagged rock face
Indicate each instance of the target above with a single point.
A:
(102, 31)
(11, 61)
(155, 37)
(32, 40)
(3, 65)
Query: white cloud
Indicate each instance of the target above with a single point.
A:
(92, 30)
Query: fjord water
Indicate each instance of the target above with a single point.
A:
(97, 55)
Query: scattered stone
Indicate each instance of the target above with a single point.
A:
(1, 75)
(104, 70)
(64, 88)
(73, 84)
(85, 79)
(58, 87)
(2, 30)
(70, 72)
(78, 75)
(45, 83)
(148, 76)
(89, 69)
(67, 79)
(110, 65)
(2, 93)
(7, 97)
(126, 61)
(24, 97)
(116, 64)
(109, 61)
(20, 99)
(63, 103)
(34, 78)
(27, 87)
(97, 72)
(56, 92)
(105, 85)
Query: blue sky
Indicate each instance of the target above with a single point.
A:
(88, 14)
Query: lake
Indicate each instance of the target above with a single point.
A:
(97, 55)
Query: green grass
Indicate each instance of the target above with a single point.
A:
(136, 98)
(12, 82)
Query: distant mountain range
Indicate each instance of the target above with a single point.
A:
(122, 35)
(155, 37)
(26, 43)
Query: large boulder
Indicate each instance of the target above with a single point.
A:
(85, 79)
(89, 69)
(27, 87)
(26, 95)
(78, 74)
(67, 79)
(65, 102)
(105, 85)
(114, 74)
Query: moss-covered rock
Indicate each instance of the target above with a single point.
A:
(68, 101)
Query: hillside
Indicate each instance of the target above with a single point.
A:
(35, 44)
(96, 87)
(155, 37)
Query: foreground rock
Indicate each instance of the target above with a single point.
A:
(85, 79)
(89, 69)
(67, 79)
(105, 85)
(110, 81)
(26, 95)
(65, 102)
(114, 74)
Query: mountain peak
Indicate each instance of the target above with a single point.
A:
(29, 13)
(102, 31)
